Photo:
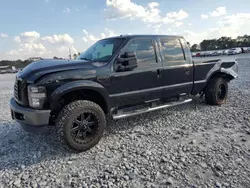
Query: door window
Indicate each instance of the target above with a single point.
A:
(144, 50)
(172, 51)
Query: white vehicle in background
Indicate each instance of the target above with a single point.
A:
(224, 52)
(246, 49)
(234, 51)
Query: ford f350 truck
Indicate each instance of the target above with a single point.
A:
(119, 77)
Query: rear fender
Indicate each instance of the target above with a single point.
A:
(227, 69)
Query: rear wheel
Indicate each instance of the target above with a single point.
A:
(81, 125)
(216, 91)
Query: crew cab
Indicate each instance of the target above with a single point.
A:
(118, 77)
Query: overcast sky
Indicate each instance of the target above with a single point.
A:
(49, 28)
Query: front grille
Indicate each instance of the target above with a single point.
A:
(17, 90)
(20, 92)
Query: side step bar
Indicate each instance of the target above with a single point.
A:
(137, 112)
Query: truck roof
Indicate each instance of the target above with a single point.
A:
(146, 36)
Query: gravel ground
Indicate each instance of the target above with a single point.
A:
(193, 145)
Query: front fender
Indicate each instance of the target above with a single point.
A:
(79, 85)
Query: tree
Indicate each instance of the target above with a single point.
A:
(195, 48)
(243, 41)
(209, 45)
(75, 56)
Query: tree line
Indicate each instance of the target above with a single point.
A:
(222, 43)
(22, 63)
(16, 63)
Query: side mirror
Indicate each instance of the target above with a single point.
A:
(128, 61)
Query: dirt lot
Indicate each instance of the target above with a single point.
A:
(193, 145)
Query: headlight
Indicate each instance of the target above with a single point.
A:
(37, 96)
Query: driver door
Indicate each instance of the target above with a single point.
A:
(142, 84)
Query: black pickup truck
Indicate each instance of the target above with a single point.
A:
(117, 77)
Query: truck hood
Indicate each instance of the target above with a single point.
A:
(40, 68)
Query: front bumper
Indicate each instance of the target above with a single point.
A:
(28, 116)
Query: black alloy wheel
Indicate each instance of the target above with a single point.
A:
(84, 128)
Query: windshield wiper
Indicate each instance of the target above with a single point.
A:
(87, 59)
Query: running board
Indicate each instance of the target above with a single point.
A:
(137, 112)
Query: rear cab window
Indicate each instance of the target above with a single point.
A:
(172, 51)
(186, 49)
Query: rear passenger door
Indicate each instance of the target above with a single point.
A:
(177, 66)
(142, 84)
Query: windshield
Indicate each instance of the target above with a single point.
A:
(102, 50)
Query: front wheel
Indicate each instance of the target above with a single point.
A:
(216, 91)
(81, 124)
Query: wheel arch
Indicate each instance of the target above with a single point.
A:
(222, 74)
(88, 90)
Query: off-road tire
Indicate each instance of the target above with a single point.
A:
(66, 117)
(212, 89)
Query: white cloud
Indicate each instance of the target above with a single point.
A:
(33, 47)
(30, 43)
(220, 11)
(194, 37)
(91, 38)
(85, 39)
(190, 24)
(233, 25)
(12, 52)
(26, 37)
(178, 24)
(66, 49)
(63, 39)
(204, 16)
(27, 50)
(66, 10)
(177, 15)
(153, 5)
(47, 1)
(149, 14)
(230, 26)
(85, 32)
(3, 35)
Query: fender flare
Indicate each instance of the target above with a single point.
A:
(230, 72)
(79, 85)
